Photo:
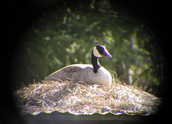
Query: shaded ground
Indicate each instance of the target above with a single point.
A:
(79, 99)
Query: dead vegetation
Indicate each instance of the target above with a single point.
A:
(80, 98)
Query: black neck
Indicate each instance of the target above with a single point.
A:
(95, 63)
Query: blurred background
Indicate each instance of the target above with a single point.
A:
(66, 34)
(42, 36)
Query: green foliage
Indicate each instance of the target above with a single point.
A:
(66, 36)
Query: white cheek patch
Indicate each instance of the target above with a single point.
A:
(96, 52)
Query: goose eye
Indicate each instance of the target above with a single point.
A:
(100, 49)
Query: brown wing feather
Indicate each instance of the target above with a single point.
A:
(64, 73)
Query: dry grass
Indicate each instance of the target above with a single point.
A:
(80, 98)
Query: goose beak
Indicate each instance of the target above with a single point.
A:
(109, 56)
(106, 53)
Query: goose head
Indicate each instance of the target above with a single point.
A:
(99, 51)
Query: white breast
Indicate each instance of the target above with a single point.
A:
(102, 77)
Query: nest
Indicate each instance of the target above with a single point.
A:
(80, 98)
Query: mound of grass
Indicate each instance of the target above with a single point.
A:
(81, 98)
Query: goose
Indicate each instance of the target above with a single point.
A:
(89, 73)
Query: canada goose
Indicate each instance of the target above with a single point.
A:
(90, 74)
